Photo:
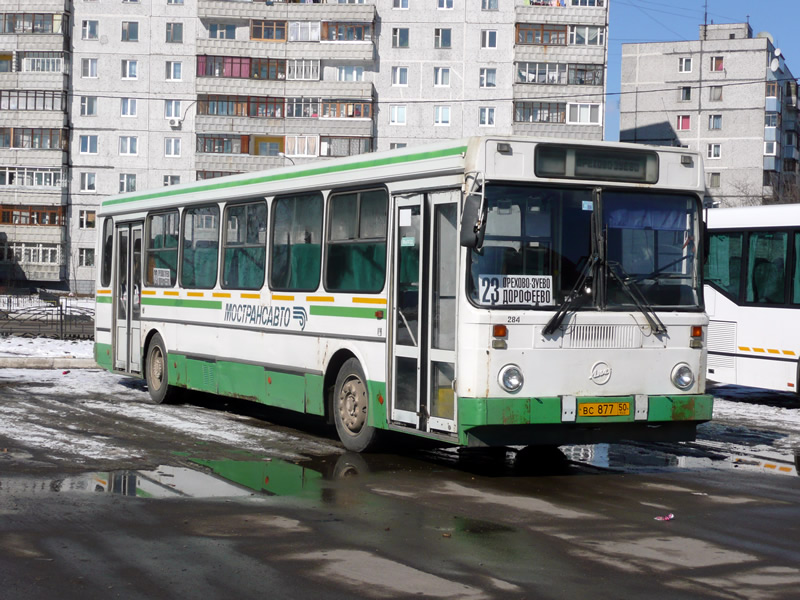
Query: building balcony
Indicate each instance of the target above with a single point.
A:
(772, 163)
(791, 153)
(549, 11)
(771, 134)
(328, 51)
(286, 11)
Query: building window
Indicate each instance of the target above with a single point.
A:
(172, 109)
(488, 78)
(543, 73)
(89, 68)
(400, 37)
(88, 106)
(304, 31)
(441, 76)
(540, 112)
(127, 182)
(684, 65)
(488, 38)
(85, 257)
(586, 35)
(346, 32)
(400, 4)
(714, 151)
(300, 69)
(301, 145)
(441, 115)
(397, 145)
(399, 76)
(715, 93)
(445, 4)
(490, 5)
(88, 144)
(715, 121)
(344, 146)
(302, 108)
(770, 148)
(344, 109)
(172, 147)
(397, 114)
(129, 69)
(127, 107)
(37, 62)
(717, 63)
(541, 35)
(220, 31)
(128, 145)
(350, 73)
(268, 31)
(171, 1)
(89, 30)
(88, 182)
(685, 93)
(130, 31)
(486, 116)
(684, 122)
(174, 33)
(713, 180)
(86, 219)
(588, 3)
(584, 114)
(172, 180)
(442, 38)
(771, 119)
(174, 70)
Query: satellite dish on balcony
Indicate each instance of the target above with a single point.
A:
(766, 35)
(774, 65)
(777, 52)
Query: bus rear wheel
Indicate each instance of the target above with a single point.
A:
(351, 408)
(156, 371)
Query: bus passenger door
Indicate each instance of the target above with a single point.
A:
(127, 298)
(407, 345)
(442, 288)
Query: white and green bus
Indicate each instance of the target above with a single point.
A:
(487, 291)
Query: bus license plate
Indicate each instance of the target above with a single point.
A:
(604, 409)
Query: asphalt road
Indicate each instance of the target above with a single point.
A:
(103, 495)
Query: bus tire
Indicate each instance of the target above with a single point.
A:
(351, 408)
(156, 371)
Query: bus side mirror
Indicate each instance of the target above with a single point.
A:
(472, 226)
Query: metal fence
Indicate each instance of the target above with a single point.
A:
(48, 315)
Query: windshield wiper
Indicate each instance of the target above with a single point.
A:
(629, 285)
(576, 292)
(661, 271)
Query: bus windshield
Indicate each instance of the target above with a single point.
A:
(541, 241)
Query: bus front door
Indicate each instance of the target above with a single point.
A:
(425, 271)
(127, 295)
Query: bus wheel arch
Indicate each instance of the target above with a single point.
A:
(350, 405)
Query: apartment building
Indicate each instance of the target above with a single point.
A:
(166, 92)
(34, 141)
(731, 96)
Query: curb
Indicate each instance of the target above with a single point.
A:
(40, 362)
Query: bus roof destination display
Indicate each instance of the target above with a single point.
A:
(577, 162)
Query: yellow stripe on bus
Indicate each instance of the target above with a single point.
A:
(250, 296)
(772, 351)
(171, 293)
(788, 352)
(195, 294)
(744, 348)
(220, 295)
(148, 292)
(369, 301)
(758, 350)
(319, 298)
(103, 291)
(285, 298)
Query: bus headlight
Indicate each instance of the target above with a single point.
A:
(511, 378)
(682, 376)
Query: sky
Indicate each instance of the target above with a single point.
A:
(636, 21)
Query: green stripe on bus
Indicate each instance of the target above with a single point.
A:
(327, 170)
(182, 303)
(102, 355)
(345, 311)
(104, 299)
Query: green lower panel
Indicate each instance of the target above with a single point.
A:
(315, 395)
(241, 381)
(102, 356)
(473, 412)
(286, 390)
(376, 415)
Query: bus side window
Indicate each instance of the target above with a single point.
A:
(766, 267)
(295, 253)
(356, 244)
(161, 262)
(245, 246)
(200, 247)
(108, 242)
(723, 263)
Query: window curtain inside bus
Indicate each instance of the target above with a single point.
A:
(631, 213)
(296, 243)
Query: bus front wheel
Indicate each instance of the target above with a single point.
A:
(156, 371)
(351, 408)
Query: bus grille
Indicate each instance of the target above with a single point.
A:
(602, 336)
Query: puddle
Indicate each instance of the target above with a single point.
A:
(211, 479)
